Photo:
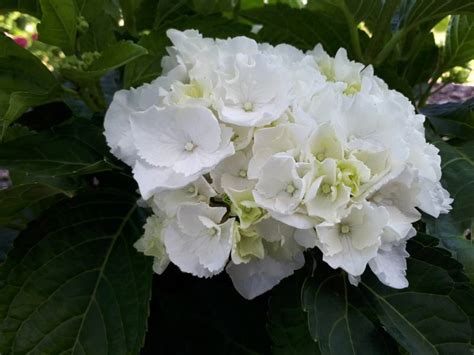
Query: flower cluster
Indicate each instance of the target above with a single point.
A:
(249, 154)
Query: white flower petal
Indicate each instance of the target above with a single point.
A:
(279, 188)
(390, 266)
(166, 137)
(260, 275)
(353, 242)
(153, 179)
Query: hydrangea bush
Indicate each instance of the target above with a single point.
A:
(233, 177)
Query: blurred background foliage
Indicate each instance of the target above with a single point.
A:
(22, 27)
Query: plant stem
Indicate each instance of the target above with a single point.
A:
(91, 94)
(353, 31)
(71, 92)
(388, 48)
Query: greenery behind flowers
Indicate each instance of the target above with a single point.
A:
(73, 282)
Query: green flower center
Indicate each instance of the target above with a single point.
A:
(345, 229)
(248, 106)
(326, 188)
(189, 146)
(290, 188)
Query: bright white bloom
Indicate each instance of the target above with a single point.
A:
(280, 188)
(232, 172)
(254, 93)
(125, 103)
(389, 265)
(195, 93)
(181, 142)
(282, 255)
(327, 196)
(353, 242)
(197, 241)
(169, 201)
(269, 141)
(249, 154)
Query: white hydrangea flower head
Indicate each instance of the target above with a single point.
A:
(250, 154)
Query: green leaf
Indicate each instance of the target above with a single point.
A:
(458, 178)
(353, 12)
(336, 320)
(17, 65)
(59, 24)
(70, 150)
(31, 7)
(111, 58)
(454, 120)
(360, 10)
(129, 8)
(207, 7)
(21, 101)
(421, 11)
(287, 322)
(214, 26)
(24, 82)
(148, 67)
(459, 46)
(15, 199)
(74, 283)
(165, 10)
(424, 318)
(463, 250)
(421, 65)
(7, 236)
(301, 28)
(16, 131)
(99, 33)
(380, 24)
(47, 164)
(151, 14)
(250, 4)
(425, 248)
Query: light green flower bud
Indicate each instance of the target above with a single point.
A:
(247, 244)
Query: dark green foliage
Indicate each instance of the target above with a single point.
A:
(74, 283)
